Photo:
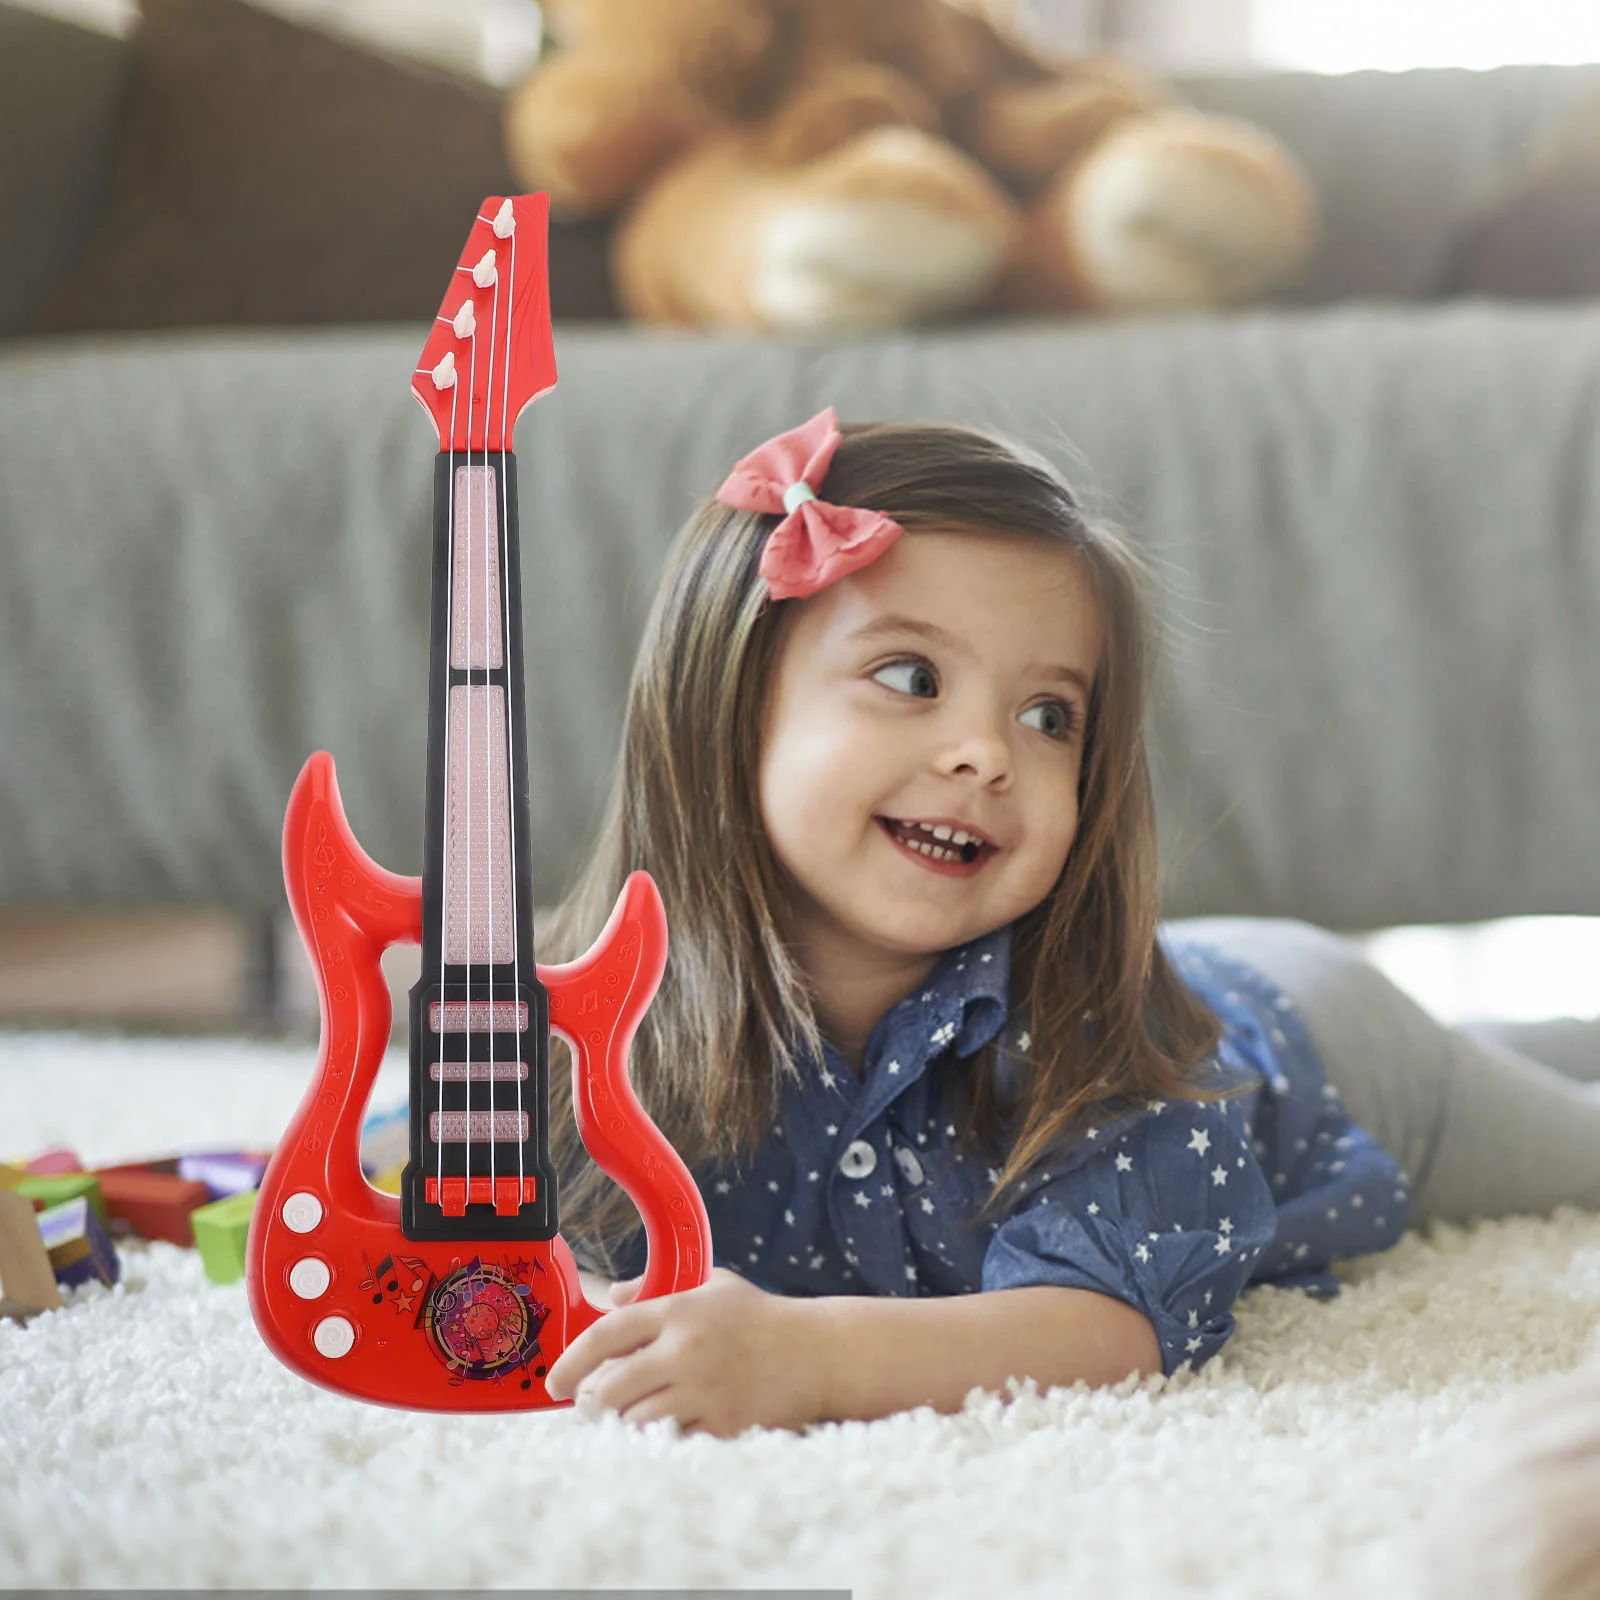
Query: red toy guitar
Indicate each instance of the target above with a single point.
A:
(458, 1295)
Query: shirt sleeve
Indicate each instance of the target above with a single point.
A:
(1170, 1217)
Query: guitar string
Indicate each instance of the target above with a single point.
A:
(489, 785)
(467, 1000)
(444, 809)
(505, 585)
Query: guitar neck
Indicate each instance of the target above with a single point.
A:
(476, 878)
(479, 1015)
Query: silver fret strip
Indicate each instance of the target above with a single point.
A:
(456, 1071)
(510, 1127)
(507, 1017)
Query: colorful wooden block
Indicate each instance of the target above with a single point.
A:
(155, 1204)
(224, 1172)
(77, 1243)
(220, 1232)
(57, 1159)
(49, 1189)
(27, 1280)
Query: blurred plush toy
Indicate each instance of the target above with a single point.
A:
(816, 164)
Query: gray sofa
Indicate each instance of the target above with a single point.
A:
(1376, 515)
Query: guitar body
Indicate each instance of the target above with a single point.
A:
(459, 1294)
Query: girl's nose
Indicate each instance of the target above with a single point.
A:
(978, 751)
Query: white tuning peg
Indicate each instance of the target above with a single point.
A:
(465, 321)
(485, 272)
(505, 221)
(444, 375)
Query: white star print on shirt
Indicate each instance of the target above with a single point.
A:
(1219, 1175)
(1199, 1141)
(1124, 1162)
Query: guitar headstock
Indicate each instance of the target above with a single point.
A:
(490, 352)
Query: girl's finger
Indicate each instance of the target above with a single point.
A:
(654, 1407)
(621, 1385)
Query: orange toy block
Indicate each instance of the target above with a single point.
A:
(27, 1280)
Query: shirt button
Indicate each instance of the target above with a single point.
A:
(909, 1165)
(858, 1160)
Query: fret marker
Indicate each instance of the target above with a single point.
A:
(444, 375)
(485, 273)
(505, 221)
(465, 321)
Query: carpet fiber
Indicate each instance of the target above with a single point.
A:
(150, 1440)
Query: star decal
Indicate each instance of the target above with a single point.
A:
(1124, 1162)
(862, 1198)
(1219, 1174)
(1199, 1141)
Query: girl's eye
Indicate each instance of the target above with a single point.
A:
(913, 665)
(1063, 721)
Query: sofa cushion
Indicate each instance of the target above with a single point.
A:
(272, 173)
(1539, 235)
(1398, 159)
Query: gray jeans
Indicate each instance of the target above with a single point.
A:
(1485, 1119)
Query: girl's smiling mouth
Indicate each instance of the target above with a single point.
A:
(937, 855)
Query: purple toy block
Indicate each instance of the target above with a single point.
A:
(224, 1172)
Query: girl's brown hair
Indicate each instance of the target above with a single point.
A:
(1109, 1018)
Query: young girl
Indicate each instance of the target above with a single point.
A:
(920, 1033)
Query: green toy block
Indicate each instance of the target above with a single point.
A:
(220, 1231)
(55, 1189)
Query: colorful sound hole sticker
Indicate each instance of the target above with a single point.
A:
(482, 1321)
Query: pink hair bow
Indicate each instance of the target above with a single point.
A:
(816, 543)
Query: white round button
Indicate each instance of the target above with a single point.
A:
(909, 1165)
(334, 1337)
(302, 1212)
(858, 1160)
(309, 1277)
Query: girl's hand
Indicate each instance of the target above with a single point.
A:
(720, 1358)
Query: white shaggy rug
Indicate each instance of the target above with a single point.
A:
(147, 1439)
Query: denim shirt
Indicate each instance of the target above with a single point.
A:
(1172, 1206)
